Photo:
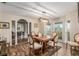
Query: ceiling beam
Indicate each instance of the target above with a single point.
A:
(46, 8)
(29, 9)
(21, 7)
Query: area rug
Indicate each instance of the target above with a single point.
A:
(75, 53)
(22, 49)
(52, 50)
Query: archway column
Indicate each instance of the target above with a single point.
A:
(15, 32)
(26, 30)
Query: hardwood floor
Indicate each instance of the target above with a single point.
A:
(63, 51)
(22, 49)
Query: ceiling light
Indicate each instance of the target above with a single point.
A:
(44, 17)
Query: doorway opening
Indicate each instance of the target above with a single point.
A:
(22, 30)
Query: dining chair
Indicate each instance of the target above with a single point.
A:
(33, 33)
(53, 40)
(40, 34)
(74, 45)
(34, 46)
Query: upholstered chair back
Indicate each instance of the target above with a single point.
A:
(39, 34)
(54, 36)
(33, 33)
(76, 37)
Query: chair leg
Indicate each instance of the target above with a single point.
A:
(30, 52)
(71, 50)
(56, 52)
(41, 51)
(34, 52)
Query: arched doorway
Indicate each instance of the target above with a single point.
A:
(22, 30)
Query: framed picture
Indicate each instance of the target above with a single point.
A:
(4, 25)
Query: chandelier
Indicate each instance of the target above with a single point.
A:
(44, 18)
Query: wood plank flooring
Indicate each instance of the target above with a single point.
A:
(22, 49)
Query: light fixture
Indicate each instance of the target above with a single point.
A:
(43, 18)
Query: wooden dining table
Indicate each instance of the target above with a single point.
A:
(44, 40)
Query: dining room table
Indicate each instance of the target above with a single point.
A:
(43, 40)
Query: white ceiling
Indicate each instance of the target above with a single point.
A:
(35, 9)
